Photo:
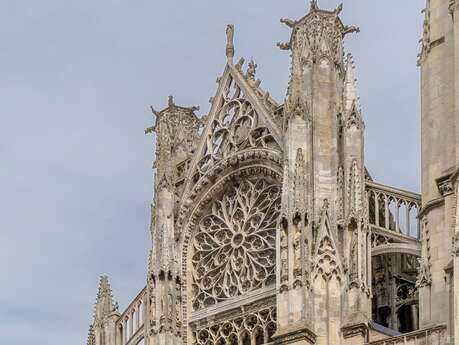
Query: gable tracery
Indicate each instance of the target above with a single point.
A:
(236, 127)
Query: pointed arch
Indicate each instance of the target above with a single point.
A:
(239, 125)
(326, 259)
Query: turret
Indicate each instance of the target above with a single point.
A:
(103, 330)
(323, 243)
(439, 64)
(315, 92)
(176, 131)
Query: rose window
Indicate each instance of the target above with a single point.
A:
(234, 248)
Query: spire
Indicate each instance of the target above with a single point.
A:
(352, 110)
(104, 303)
(350, 85)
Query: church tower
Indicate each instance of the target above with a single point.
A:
(439, 64)
(323, 248)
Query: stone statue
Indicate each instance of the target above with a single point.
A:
(230, 41)
(297, 249)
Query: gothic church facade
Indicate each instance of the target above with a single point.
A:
(266, 226)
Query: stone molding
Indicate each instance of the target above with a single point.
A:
(431, 205)
(295, 333)
(243, 300)
(355, 329)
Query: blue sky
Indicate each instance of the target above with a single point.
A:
(77, 81)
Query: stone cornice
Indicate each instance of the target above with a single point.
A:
(355, 329)
(235, 303)
(295, 333)
(431, 205)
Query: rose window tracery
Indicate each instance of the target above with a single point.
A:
(234, 248)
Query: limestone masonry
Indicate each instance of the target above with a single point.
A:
(266, 226)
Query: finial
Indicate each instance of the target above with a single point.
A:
(170, 101)
(314, 6)
(230, 42)
(325, 205)
(240, 63)
(252, 70)
(338, 9)
(266, 97)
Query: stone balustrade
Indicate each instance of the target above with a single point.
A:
(393, 209)
(130, 325)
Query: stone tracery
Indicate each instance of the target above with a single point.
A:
(235, 244)
(256, 326)
(236, 128)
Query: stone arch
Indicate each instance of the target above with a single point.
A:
(264, 164)
(397, 248)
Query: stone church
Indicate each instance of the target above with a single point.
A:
(268, 229)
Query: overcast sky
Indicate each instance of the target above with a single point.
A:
(75, 88)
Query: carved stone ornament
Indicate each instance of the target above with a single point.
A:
(230, 41)
(453, 6)
(456, 245)
(234, 248)
(445, 186)
(251, 70)
(326, 264)
(341, 189)
(355, 191)
(319, 35)
(236, 127)
(354, 119)
(259, 325)
(424, 277)
(91, 336)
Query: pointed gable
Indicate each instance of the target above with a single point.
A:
(241, 118)
(326, 258)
